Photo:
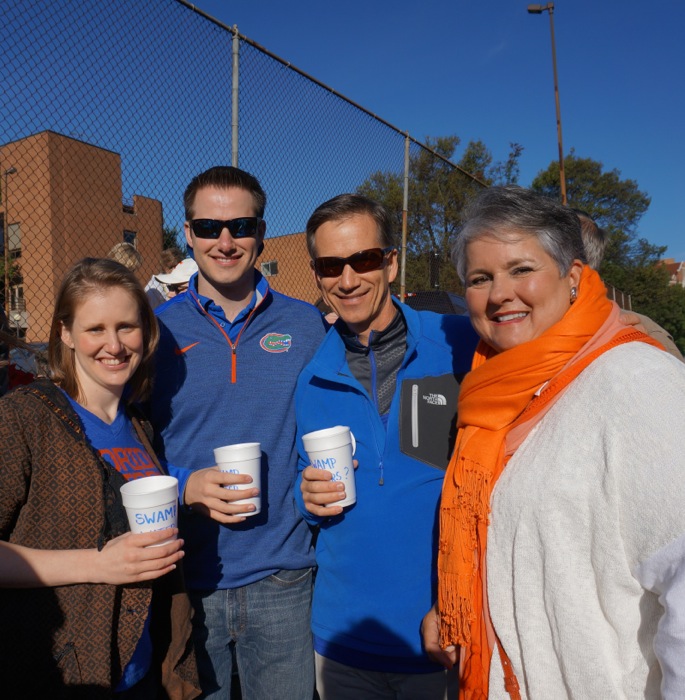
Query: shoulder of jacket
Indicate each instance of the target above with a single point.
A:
(42, 390)
(640, 362)
(177, 308)
(45, 394)
(292, 303)
(296, 314)
(328, 356)
(441, 328)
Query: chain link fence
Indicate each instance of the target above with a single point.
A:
(107, 110)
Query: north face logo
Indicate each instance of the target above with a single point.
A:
(435, 399)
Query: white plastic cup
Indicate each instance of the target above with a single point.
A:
(333, 449)
(243, 458)
(151, 504)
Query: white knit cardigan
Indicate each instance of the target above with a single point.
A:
(586, 546)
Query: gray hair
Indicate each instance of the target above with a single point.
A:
(500, 211)
(595, 239)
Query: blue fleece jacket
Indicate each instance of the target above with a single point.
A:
(376, 562)
(208, 394)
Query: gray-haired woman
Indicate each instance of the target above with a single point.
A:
(562, 543)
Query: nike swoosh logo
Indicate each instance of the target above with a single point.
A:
(180, 351)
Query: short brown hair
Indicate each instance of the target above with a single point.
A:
(344, 206)
(86, 277)
(595, 239)
(222, 177)
(169, 258)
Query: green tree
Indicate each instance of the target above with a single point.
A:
(652, 295)
(438, 192)
(172, 238)
(630, 263)
(670, 313)
(616, 205)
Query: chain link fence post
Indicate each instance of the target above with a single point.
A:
(235, 97)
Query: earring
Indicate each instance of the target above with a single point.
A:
(574, 294)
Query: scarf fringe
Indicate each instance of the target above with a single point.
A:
(469, 508)
(456, 616)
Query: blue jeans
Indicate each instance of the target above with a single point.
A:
(267, 623)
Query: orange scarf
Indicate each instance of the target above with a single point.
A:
(497, 408)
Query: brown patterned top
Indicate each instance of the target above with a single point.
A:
(56, 492)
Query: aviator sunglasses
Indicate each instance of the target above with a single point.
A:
(363, 261)
(244, 227)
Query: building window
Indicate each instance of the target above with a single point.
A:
(14, 240)
(131, 237)
(270, 268)
(17, 302)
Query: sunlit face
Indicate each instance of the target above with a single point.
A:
(107, 339)
(362, 300)
(226, 263)
(514, 290)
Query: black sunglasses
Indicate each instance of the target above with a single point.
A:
(363, 261)
(244, 227)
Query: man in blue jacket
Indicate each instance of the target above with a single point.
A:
(230, 352)
(392, 374)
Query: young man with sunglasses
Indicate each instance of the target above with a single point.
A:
(392, 374)
(230, 352)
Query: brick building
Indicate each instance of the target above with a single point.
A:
(676, 271)
(61, 200)
(285, 263)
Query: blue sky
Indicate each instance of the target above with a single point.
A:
(483, 70)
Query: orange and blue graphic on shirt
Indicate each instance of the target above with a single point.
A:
(130, 462)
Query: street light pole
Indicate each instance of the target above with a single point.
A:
(5, 232)
(537, 10)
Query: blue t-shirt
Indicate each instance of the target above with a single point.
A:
(119, 445)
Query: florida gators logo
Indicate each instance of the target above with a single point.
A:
(276, 342)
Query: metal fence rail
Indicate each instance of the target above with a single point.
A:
(107, 110)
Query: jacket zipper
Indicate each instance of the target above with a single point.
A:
(233, 346)
(374, 398)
